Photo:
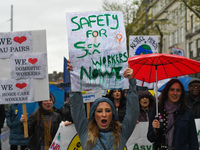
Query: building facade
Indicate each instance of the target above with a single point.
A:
(179, 25)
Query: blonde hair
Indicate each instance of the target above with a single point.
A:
(93, 133)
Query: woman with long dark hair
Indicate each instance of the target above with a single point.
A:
(175, 128)
(119, 100)
(42, 125)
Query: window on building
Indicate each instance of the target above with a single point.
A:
(182, 34)
(191, 49)
(176, 37)
(170, 40)
(182, 10)
(198, 47)
(175, 16)
(164, 46)
(169, 17)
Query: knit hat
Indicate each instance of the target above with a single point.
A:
(96, 103)
(145, 93)
(194, 80)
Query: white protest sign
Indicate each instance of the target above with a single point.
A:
(15, 43)
(91, 96)
(178, 51)
(28, 66)
(69, 139)
(97, 50)
(20, 45)
(142, 45)
(16, 91)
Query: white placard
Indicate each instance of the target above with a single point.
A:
(97, 50)
(35, 42)
(15, 43)
(28, 66)
(142, 44)
(67, 138)
(16, 91)
(178, 51)
(91, 96)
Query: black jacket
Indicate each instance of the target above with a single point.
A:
(36, 132)
(2, 116)
(195, 105)
(184, 136)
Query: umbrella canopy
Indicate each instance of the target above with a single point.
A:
(154, 67)
(59, 95)
(185, 81)
(167, 65)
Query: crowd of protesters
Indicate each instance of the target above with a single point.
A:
(113, 117)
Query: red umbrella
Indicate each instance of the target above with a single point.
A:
(154, 67)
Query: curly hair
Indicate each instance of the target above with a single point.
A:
(93, 133)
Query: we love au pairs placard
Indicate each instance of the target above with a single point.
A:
(15, 43)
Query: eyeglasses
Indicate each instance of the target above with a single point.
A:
(195, 86)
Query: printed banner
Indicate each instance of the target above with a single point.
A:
(15, 43)
(91, 96)
(67, 138)
(178, 51)
(16, 91)
(28, 66)
(142, 45)
(97, 50)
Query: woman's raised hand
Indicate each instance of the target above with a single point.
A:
(69, 66)
(128, 73)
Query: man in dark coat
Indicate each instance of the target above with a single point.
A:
(2, 118)
(193, 97)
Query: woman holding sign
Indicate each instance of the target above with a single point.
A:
(42, 125)
(103, 131)
(175, 128)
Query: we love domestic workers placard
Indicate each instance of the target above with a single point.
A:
(31, 65)
(24, 74)
(97, 50)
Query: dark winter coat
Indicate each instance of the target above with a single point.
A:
(36, 132)
(194, 104)
(144, 115)
(16, 132)
(66, 113)
(185, 134)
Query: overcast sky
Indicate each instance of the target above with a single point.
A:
(49, 15)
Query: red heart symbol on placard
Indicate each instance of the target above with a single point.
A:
(32, 61)
(20, 39)
(21, 86)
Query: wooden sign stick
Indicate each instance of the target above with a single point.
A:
(25, 123)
